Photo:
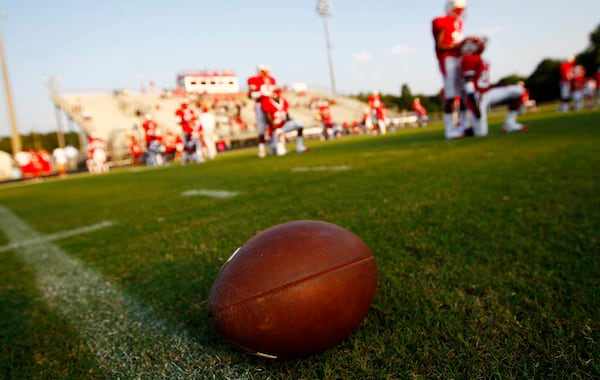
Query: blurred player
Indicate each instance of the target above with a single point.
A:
(566, 78)
(60, 161)
(96, 162)
(208, 122)
(420, 112)
(578, 84)
(260, 87)
(378, 112)
(448, 34)
(330, 129)
(276, 111)
(480, 96)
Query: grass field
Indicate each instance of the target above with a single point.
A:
(487, 252)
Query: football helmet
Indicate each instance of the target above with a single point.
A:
(452, 6)
(263, 67)
(473, 45)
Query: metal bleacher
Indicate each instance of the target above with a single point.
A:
(115, 116)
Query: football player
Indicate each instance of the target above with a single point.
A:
(480, 95)
(96, 162)
(578, 84)
(448, 34)
(260, 87)
(378, 111)
(420, 112)
(276, 111)
(566, 76)
(330, 129)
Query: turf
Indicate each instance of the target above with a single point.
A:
(487, 253)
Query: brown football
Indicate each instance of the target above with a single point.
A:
(294, 290)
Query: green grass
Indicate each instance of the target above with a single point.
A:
(487, 253)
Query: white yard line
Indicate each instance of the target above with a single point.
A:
(56, 236)
(210, 193)
(126, 337)
(321, 168)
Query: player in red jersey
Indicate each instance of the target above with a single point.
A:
(150, 127)
(479, 93)
(420, 112)
(97, 161)
(448, 34)
(186, 117)
(378, 112)
(566, 77)
(578, 86)
(261, 87)
(276, 110)
(330, 129)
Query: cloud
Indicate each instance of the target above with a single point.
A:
(363, 56)
(398, 50)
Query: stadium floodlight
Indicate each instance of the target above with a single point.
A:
(15, 138)
(323, 8)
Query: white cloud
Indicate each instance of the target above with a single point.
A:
(398, 50)
(363, 56)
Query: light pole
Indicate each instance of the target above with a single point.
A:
(15, 138)
(51, 82)
(323, 9)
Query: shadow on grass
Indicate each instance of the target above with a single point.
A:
(34, 342)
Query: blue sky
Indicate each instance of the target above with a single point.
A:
(98, 46)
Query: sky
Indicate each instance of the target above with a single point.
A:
(98, 46)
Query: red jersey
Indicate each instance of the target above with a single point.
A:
(150, 128)
(135, 148)
(261, 86)
(94, 144)
(578, 77)
(374, 101)
(277, 109)
(381, 113)
(447, 31)
(476, 70)
(566, 70)
(186, 118)
(325, 114)
(419, 109)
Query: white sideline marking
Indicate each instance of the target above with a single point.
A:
(210, 193)
(128, 341)
(321, 168)
(56, 236)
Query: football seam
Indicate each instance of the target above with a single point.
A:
(290, 284)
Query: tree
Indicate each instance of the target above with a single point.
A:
(590, 57)
(543, 82)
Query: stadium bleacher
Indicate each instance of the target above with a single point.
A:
(115, 116)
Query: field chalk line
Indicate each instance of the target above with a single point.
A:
(57, 236)
(336, 168)
(210, 193)
(128, 341)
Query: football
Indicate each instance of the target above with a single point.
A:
(294, 290)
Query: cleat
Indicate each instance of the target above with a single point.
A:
(520, 128)
(261, 151)
(455, 136)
